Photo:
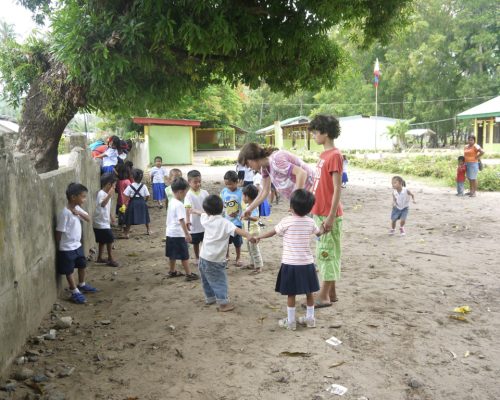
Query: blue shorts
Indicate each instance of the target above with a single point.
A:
(197, 238)
(68, 260)
(237, 240)
(104, 236)
(399, 214)
(472, 168)
(176, 248)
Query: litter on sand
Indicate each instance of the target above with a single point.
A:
(462, 309)
(459, 318)
(333, 341)
(295, 354)
(339, 390)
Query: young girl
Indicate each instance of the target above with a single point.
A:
(123, 182)
(158, 174)
(345, 179)
(400, 204)
(137, 211)
(297, 273)
(110, 156)
(250, 193)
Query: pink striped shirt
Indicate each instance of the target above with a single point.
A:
(296, 232)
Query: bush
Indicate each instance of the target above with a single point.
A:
(213, 162)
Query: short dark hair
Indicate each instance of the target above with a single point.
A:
(251, 191)
(137, 174)
(158, 158)
(213, 205)
(194, 173)
(399, 179)
(107, 178)
(461, 158)
(231, 176)
(325, 124)
(75, 189)
(116, 142)
(179, 184)
(302, 202)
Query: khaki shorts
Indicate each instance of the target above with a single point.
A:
(328, 250)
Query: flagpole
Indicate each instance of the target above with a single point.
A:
(376, 114)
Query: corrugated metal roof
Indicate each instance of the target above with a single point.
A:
(490, 108)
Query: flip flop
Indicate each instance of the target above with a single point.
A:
(230, 308)
(317, 304)
(100, 262)
(113, 264)
(239, 264)
(174, 274)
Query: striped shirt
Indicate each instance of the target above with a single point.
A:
(296, 232)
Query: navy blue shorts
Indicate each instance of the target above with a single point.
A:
(197, 238)
(237, 240)
(104, 236)
(67, 261)
(176, 248)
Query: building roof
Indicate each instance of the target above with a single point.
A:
(286, 122)
(7, 126)
(490, 108)
(164, 121)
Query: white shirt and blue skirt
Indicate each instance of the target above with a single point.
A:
(158, 182)
(137, 210)
(402, 207)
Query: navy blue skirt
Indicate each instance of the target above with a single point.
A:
(137, 212)
(158, 191)
(297, 279)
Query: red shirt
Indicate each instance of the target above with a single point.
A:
(120, 188)
(461, 173)
(330, 161)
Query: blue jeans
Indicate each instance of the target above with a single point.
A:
(214, 281)
(460, 188)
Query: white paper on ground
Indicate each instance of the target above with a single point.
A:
(333, 341)
(336, 389)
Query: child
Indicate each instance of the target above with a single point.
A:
(240, 170)
(177, 233)
(123, 181)
(345, 179)
(327, 210)
(102, 219)
(158, 174)
(68, 240)
(172, 176)
(136, 194)
(264, 207)
(248, 176)
(250, 193)
(212, 257)
(400, 204)
(461, 169)
(297, 273)
(194, 199)
(110, 156)
(232, 197)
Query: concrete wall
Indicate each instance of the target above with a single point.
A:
(139, 155)
(29, 207)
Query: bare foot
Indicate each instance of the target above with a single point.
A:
(256, 271)
(225, 307)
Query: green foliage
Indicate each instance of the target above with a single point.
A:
(213, 162)
(440, 167)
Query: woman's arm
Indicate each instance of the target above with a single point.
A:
(480, 153)
(328, 222)
(266, 189)
(300, 177)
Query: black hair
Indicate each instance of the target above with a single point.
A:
(213, 205)
(254, 151)
(137, 174)
(75, 189)
(302, 202)
(231, 176)
(122, 171)
(194, 173)
(325, 124)
(107, 178)
(251, 191)
(471, 137)
(116, 142)
(158, 158)
(400, 180)
(461, 158)
(179, 184)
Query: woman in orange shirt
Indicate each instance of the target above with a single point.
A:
(472, 153)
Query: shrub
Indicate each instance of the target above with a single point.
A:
(213, 162)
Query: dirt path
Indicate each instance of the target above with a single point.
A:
(395, 298)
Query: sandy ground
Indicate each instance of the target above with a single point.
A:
(147, 337)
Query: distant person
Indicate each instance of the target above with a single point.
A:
(297, 274)
(240, 170)
(158, 175)
(110, 156)
(136, 195)
(232, 197)
(248, 177)
(172, 176)
(68, 242)
(461, 170)
(400, 205)
(122, 202)
(345, 178)
(472, 154)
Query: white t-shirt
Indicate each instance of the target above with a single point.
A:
(102, 215)
(71, 228)
(296, 232)
(111, 157)
(144, 192)
(195, 200)
(175, 212)
(158, 174)
(257, 180)
(248, 175)
(402, 199)
(216, 239)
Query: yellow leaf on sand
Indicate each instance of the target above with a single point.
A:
(462, 309)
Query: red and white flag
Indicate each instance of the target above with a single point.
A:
(376, 73)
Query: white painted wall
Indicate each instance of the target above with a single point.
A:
(358, 133)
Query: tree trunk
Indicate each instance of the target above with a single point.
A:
(51, 103)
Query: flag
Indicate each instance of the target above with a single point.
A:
(376, 74)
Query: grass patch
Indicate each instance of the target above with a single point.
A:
(214, 162)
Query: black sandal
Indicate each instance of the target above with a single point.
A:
(175, 274)
(192, 277)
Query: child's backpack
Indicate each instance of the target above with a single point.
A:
(93, 146)
(265, 209)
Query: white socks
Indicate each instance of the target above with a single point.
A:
(291, 314)
(310, 312)
(75, 290)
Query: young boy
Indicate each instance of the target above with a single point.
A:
(68, 240)
(213, 263)
(158, 175)
(103, 218)
(172, 176)
(232, 197)
(250, 193)
(327, 210)
(194, 199)
(461, 169)
(178, 236)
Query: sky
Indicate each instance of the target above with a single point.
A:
(18, 16)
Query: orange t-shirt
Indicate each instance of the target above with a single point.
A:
(470, 153)
(330, 161)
